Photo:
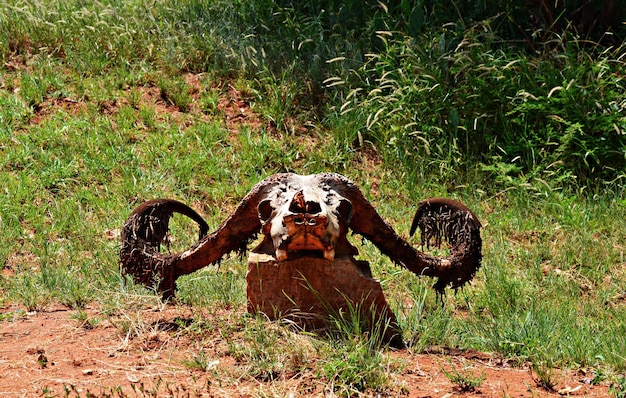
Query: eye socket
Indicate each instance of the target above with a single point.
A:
(265, 210)
(344, 210)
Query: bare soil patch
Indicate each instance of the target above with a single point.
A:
(54, 353)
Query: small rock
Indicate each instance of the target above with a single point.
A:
(568, 390)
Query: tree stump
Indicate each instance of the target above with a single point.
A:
(311, 291)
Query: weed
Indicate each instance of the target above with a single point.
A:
(201, 361)
(354, 368)
(357, 323)
(268, 350)
(85, 320)
(12, 316)
(27, 291)
(175, 92)
(465, 379)
(134, 97)
(544, 375)
(617, 389)
(353, 362)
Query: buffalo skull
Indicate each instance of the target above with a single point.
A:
(302, 216)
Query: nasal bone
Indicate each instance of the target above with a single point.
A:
(305, 203)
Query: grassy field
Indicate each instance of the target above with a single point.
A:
(104, 105)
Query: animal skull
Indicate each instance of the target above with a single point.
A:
(302, 216)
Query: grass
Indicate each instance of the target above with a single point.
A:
(465, 379)
(90, 128)
(617, 389)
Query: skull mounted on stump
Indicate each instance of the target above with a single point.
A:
(302, 217)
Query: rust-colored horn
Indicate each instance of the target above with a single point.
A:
(462, 225)
(441, 218)
(147, 227)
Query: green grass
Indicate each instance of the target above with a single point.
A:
(90, 128)
(464, 379)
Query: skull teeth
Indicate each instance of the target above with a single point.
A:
(329, 254)
(281, 254)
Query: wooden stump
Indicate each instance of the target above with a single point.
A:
(309, 291)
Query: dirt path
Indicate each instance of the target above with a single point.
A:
(53, 353)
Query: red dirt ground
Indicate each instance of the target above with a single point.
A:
(52, 353)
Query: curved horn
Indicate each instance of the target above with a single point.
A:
(458, 224)
(147, 226)
(451, 220)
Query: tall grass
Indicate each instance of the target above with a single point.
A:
(433, 99)
(445, 104)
